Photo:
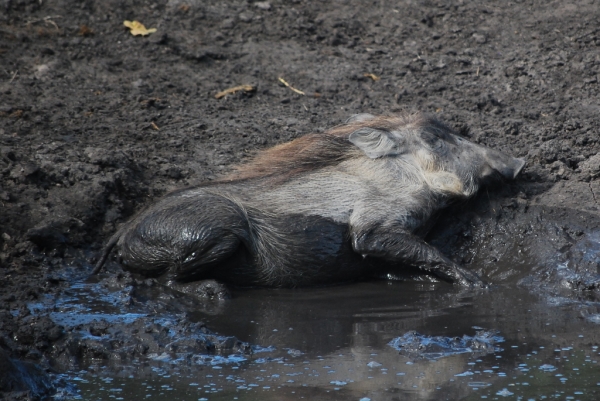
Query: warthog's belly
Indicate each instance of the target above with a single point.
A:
(294, 250)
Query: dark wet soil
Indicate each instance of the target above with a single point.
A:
(96, 124)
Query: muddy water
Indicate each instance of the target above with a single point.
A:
(348, 343)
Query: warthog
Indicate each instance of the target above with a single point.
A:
(324, 208)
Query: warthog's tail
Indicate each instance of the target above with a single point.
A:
(105, 252)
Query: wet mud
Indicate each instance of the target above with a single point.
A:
(96, 124)
(379, 340)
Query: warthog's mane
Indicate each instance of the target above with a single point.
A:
(318, 150)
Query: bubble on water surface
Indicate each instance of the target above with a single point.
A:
(479, 384)
(504, 393)
(595, 318)
(295, 352)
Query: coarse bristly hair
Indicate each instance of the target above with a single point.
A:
(314, 151)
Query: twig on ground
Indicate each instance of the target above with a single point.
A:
(298, 91)
(46, 20)
(245, 88)
(372, 76)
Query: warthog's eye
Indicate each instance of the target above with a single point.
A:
(432, 141)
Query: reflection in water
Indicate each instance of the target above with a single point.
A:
(333, 344)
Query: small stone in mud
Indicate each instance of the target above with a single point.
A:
(590, 168)
(479, 38)
(263, 5)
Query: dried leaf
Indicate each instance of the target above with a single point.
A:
(137, 28)
(245, 88)
(372, 76)
(298, 91)
(16, 114)
(85, 30)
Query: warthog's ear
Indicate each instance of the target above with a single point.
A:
(375, 143)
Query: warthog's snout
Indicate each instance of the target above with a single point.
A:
(509, 167)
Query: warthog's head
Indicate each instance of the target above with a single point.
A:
(428, 150)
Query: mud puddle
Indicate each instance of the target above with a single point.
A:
(367, 341)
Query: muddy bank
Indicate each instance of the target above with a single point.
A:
(95, 124)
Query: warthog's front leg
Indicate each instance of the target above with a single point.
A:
(408, 249)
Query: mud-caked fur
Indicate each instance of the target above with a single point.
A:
(323, 208)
